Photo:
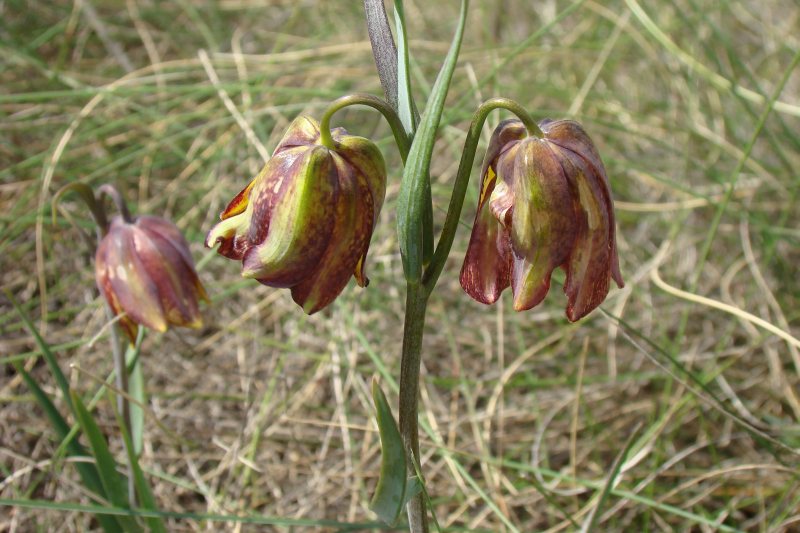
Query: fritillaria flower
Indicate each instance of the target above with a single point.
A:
(544, 203)
(144, 269)
(306, 220)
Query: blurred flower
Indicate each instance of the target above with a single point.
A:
(143, 268)
(306, 220)
(544, 203)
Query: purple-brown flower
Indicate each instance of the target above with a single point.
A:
(144, 269)
(544, 203)
(305, 221)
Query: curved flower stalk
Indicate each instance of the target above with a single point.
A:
(306, 220)
(144, 269)
(544, 203)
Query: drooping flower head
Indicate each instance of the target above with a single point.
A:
(144, 269)
(544, 203)
(305, 221)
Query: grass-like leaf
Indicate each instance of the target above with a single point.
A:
(411, 204)
(390, 494)
(49, 357)
(87, 471)
(113, 482)
(145, 495)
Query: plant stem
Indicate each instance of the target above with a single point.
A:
(417, 298)
(112, 192)
(416, 304)
(400, 137)
(123, 406)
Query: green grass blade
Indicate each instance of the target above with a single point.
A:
(205, 517)
(390, 493)
(49, 357)
(591, 522)
(113, 482)
(87, 471)
(411, 199)
(145, 495)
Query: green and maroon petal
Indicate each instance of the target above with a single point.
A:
(175, 279)
(487, 264)
(543, 227)
(103, 280)
(128, 279)
(291, 217)
(303, 131)
(366, 158)
(352, 229)
(590, 264)
(571, 136)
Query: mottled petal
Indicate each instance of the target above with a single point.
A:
(571, 135)
(231, 235)
(169, 232)
(135, 292)
(299, 206)
(487, 265)
(175, 279)
(364, 156)
(103, 279)
(589, 266)
(543, 224)
(303, 131)
(353, 221)
(504, 137)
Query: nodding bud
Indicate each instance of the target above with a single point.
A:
(305, 221)
(144, 269)
(544, 203)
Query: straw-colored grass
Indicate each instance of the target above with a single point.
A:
(266, 412)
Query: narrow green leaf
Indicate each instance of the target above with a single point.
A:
(146, 499)
(405, 100)
(389, 497)
(591, 521)
(113, 482)
(52, 363)
(209, 518)
(137, 391)
(87, 471)
(415, 185)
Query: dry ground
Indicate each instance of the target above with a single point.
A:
(266, 412)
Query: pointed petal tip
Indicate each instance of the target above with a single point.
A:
(573, 315)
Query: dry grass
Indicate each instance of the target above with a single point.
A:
(267, 411)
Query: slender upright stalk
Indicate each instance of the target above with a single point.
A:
(417, 297)
(416, 304)
(95, 205)
(123, 406)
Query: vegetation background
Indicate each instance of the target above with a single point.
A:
(266, 413)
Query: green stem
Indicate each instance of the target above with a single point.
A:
(416, 304)
(123, 405)
(87, 195)
(445, 243)
(400, 137)
(113, 193)
(417, 296)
